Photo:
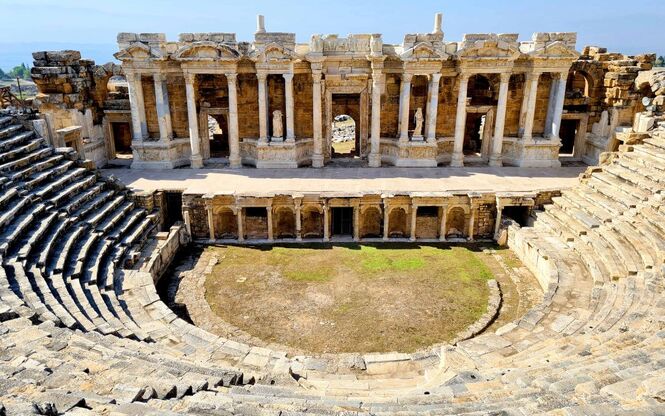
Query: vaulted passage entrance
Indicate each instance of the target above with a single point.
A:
(218, 135)
(345, 137)
(342, 221)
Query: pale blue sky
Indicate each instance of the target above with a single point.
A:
(631, 27)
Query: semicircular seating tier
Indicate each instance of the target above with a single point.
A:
(84, 330)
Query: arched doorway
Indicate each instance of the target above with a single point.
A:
(312, 222)
(284, 223)
(372, 223)
(456, 222)
(344, 137)
(398, 223)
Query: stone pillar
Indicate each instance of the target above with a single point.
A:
(188, 220)
(263, 107)
(194, 139)
(298, 209)
(317, 157)
(270, 230)
(375, 151)
(356, 223)
(139, 125)
(326, 222)
(211, 221)
(530, 112)
(404, 101)
(386, 222)
(559, 98)
(499, 124)
(550, 106)
(414, 216)
(460, 121)
(472, 222)
(432, 107)
(241, 231)
(497, 223)
(162, 105)
(288, 100)
(442, 225)
(234, 139)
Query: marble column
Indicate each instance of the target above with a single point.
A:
(317, 157)
(386, 222)
(499, 124)
(211, 222)
(241, 230)
(270, 226)
(559, 98)
(194, 139)
(497, 222)
(404, 102)
(298, 209)
(263, 107)
(375, 141)
(442, 225)
(550, 106)
(234, 139)
(288, 102)
(326, 222)
(530, 113)
(460, 121)
(472, 222)
(414, 216)
(137, 106)
(432, 107)
(356, 223)
(162, 105)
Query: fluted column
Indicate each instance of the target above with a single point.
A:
(317, 157)
(241, 231)
(532, 87)
(375, 141)
(499, 124)
(559, 99)
(414, 217)
(432, 107)
(404, 102)
(497, 222)
(194, 139)
(263, 107)
(457, 159)
(288, 100)
(234, 137)
(162, 105)
(136, 104)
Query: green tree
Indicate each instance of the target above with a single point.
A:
(660, 61)
(20, 71)
(2, 74)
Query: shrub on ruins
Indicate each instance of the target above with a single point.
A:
(21, 71)
(660, 61)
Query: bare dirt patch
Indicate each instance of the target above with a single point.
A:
(350, 298)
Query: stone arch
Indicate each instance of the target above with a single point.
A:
(456, 222)
(312, 222)
(371, 222)
(578, 84)
(481, 90)
(398, 223)
(226, 223)
(284, 222)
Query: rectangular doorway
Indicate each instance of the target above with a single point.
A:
(122, 139)
(342, 221)
(345, 137)
(568, 134)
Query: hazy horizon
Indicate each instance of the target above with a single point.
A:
(92, 28)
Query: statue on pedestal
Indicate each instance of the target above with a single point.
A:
(277, 127)
(418, 130)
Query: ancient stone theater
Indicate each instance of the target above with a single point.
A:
(130, 189)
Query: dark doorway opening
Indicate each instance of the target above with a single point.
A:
(218, 135)
(172, 208)
(122, 138)
(346, 117)
(256, 222)
(518, 214)
(342, 221)
(473, 133)
(567, 133)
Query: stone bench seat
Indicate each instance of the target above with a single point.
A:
(19, 227)
(605, 253)
(127, 223)
(51, 302)
(645, 252)
(593, 196)
(139, 232)
(648, 180)
(626, 182)
(11, 299)
(79, 257)
(87, 303)
(116, 216)
(15, 209)
(60, 182)
(624, 250)
(6, 120)
(62, 252)
(45, 224)
(26, 160)
(16, 140)
(14, 153)
(28, 293)
(7, 196)
(656, 142)
(92, 201)
(639, 158)
(77, 202)
(62, 291)
(73, 189)
(597, 212)
(655, 238)
(48, 174)
(105, 311)
(549, 222)
(10, 130)
(568, 219)
(37, 167)
(652, 152)
(45, 254)
(611, 193)
(103, 211)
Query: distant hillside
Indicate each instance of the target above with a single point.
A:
(17, 53)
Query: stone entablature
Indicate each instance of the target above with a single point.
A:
(311, 216)
(296, 79)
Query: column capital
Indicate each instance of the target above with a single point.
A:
(159, 77)
(288, 76)
(262, 76)
(407, 77)
(563, 76)
(533, 74)
(436, 77)
(505, 77)
(189, 77)
(464, 76)
(231, 77)
(316, 76)
(132, 76)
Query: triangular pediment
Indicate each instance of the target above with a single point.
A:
(273, 53)
(489, 48)
(422, 52)
(558, 50)
(138, 52)
(206, 51)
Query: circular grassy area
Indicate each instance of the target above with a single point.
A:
(350, 298)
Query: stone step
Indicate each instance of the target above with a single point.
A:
(610, 192)
(623, 187)
(51, 302)
(16, 140)
(48, 174)
(641, 158)
(30, 158)
(73, 189)
(28, 293)
(19, 227)
(47, 248)
(18, 152)
(60, 182)
(37, 167)
(6, 120)
(10, 130)
(35, 237)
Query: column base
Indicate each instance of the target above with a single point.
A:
(495, 161)
(374, 160)
(317, 161)
(196, 162)
(431, 140)
(457, 160)
(235, 163)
